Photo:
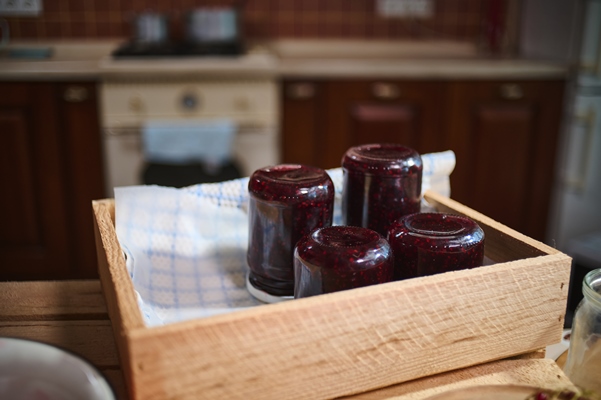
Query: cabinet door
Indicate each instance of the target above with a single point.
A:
(82, 149)
(301, 102)
(504, 135)
(359, 112)
(34, 240)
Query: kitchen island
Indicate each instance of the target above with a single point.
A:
(73, 315)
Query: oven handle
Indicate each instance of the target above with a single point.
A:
(127, 131)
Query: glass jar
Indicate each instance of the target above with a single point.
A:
(381, 183)
(286, 202)
(583, 366)
(338, 258)
(431, 243)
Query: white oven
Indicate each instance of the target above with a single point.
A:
(126, 105)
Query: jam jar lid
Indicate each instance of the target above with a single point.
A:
(290, 183)
(344, 247)
(382, 158)
(438, 231)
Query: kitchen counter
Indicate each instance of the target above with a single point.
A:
(73, 315)
(289, 59)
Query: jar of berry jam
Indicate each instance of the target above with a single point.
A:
(381, 183)
(338, 258)
(432, 243)
(583, 366)
(286, 202)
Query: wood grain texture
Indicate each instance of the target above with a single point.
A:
(90, 339)
(539, 373)
(116, 283)
(347, 342)
(51, 301)
(117, 286)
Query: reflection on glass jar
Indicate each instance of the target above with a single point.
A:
(286, 202)
(584, 357)
(432, 243)
(381, 183)
(338, 258)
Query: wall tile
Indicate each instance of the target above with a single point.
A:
(453, 19)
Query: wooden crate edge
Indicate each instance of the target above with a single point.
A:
(354, 340)
(508, 241)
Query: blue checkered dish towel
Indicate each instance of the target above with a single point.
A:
(186, 248)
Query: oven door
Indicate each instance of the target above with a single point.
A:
(125, 164)
(252, 105)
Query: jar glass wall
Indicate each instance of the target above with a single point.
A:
(338, 258)
(381, 183)
(431, 243)
(286, 202)
(583, 366)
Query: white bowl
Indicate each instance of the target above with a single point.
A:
(33, 370)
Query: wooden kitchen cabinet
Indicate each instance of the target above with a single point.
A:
(504, 134)
(321, 120)
(50, 171)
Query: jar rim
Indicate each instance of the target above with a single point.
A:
(591, 286)
(376, 158)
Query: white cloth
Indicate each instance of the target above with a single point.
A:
(186, 248)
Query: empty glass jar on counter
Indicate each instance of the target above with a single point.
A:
(286, 202)
(583, 366)
(382, 182)
(431, 243)
(338, 258)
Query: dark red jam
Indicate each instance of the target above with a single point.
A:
(338, 258)
(432, 243)
(286, 202)
(381, 183)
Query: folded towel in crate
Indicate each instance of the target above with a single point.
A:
(186, 248)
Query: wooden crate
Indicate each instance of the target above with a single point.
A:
(346, 342)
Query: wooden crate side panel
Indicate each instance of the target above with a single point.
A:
(51, 301)
(537, 373)
(502, 243)
(114, 276)
(354, 341)
(117, 286)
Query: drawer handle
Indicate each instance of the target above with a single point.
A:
(75, 94)
(385, 91)
(300, 91)
(511, 91)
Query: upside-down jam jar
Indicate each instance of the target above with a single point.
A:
(338, 258)
(381, 183)
(431, 243)
(286, 202)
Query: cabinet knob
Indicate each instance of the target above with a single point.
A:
(75, 94)
(385, 91)
(300, 91)
(511, 91)
(190, 101)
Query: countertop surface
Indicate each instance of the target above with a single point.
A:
(77, 60)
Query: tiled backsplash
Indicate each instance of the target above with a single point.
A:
(463, 20)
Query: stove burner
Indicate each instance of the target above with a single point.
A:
(178, 49)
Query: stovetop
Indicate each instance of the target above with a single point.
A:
(134, 50)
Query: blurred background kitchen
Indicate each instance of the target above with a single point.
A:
(98, 94)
